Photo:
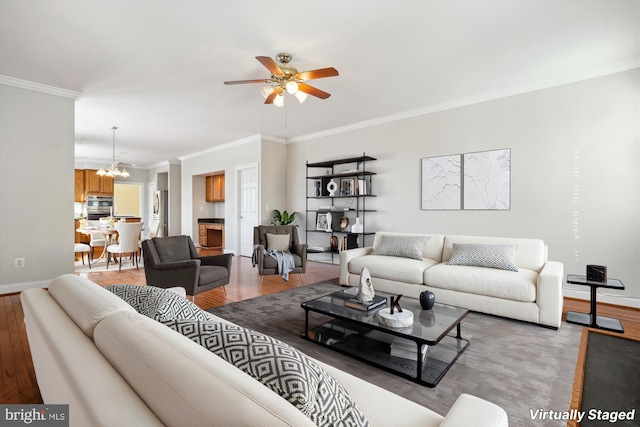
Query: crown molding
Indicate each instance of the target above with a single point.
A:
(39, 87)
(476, 99)
(247, 140)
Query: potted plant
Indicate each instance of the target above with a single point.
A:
(284, 218)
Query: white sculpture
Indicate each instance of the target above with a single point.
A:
(365, 290)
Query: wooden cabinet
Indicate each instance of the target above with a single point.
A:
(78, 188)
(97, 185)
(215, 188)
(80, 237)
(211, 235)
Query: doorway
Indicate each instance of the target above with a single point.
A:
(128, 199)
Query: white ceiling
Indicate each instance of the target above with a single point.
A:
(156, 69)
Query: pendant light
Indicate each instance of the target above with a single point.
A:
(114, 170)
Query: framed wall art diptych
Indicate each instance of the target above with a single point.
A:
(441, 183)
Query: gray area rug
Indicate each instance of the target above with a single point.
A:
(519, 366)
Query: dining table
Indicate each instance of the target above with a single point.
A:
(109, 234)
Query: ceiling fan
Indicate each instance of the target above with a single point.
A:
(286, 79)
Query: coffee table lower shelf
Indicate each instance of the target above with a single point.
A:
(374, 347)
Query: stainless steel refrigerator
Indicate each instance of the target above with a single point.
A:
(161, 211)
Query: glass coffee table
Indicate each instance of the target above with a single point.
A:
(423, 352)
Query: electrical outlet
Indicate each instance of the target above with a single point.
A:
(19, 262)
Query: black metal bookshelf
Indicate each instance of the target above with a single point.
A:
(354, 187)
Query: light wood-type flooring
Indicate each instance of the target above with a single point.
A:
(18, 382)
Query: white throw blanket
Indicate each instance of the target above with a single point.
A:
(284, 259)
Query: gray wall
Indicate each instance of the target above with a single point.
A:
(575, 162)
(36, 187)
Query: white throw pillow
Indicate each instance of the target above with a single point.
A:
(278, 242)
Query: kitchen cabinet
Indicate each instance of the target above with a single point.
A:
(80, 237)
(95, 184)
(211, 235)
(78, 188)
(215, 188)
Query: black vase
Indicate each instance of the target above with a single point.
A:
(427, 299)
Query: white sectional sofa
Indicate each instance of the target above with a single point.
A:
(117, 367)
(533, 293)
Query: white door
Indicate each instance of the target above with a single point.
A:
(249, 206)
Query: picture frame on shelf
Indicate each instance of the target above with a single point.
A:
(347, 186)
(317, 188)
(361, 187)
(322, 223)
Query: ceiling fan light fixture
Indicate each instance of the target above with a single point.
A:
(279, 100)
(266, 91)
(301, 96)
(292, 87)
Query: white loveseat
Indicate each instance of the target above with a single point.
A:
(116, 367)
(532, 294)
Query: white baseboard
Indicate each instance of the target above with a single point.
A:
(19, 287)
(609, 299)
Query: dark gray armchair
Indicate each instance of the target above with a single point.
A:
(173, 261)
(268, 265)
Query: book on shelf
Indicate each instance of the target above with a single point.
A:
(377, 301)
(405, 348)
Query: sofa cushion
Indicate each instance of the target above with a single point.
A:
(278, 366)
(520, 286)
(481, 255)
(182, 382)
(84, 301)
(401, 246)
(392, 268)
(278, 242)
(172, 248)
(157, 303)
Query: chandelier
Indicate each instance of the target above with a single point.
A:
(114, 170)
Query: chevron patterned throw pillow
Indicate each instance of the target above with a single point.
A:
(158, 303)
(493, 256)
(277, 365)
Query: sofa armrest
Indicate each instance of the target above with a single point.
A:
(549, 293)
(469, 410)
(348, 255)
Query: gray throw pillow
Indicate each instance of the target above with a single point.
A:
(278, 242)
(401, 246)
(157, 303)
(480, 255)
(277, 365)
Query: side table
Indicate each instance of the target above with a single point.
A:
(591, 319)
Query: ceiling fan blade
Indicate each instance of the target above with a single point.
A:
(241, 82)
(303, 87)
(270, 64)
(273, 95)
(317, 74)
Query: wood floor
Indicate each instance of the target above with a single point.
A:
(18, 382)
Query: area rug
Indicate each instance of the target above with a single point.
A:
(611, 384)
(100, 266)
(520, 366)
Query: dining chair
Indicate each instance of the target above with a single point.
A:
(82, 249)
(128, 235)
